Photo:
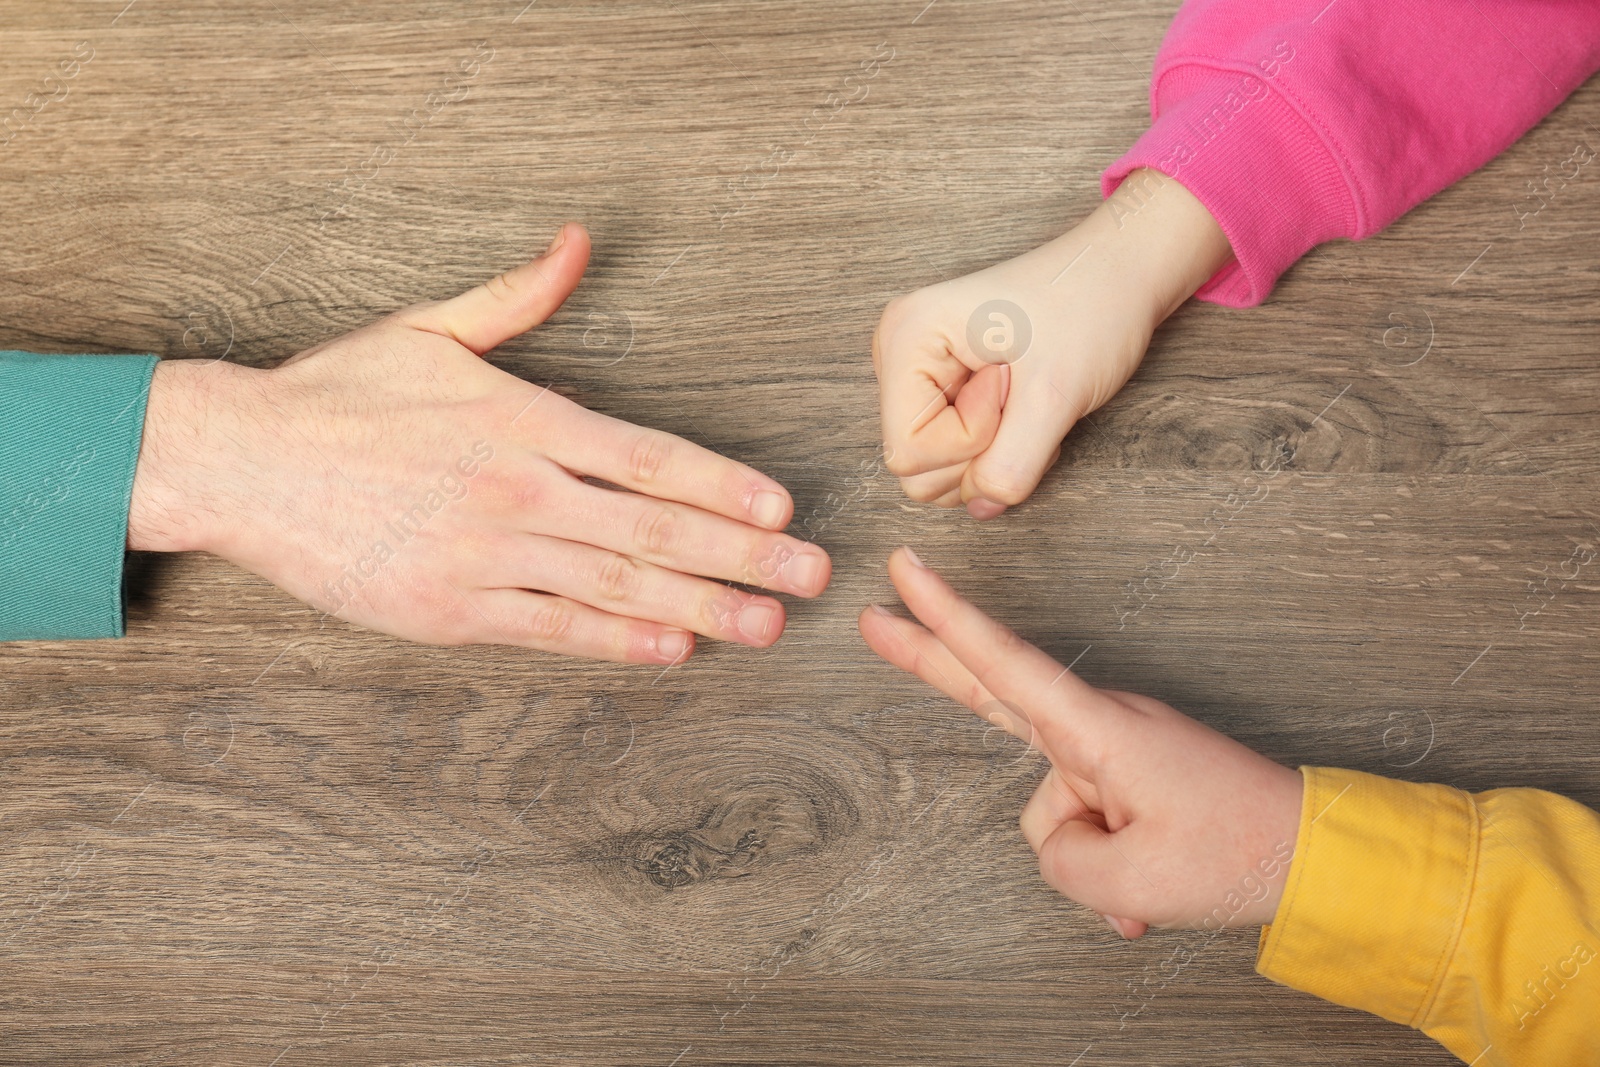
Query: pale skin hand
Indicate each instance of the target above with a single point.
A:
(982, 427)
(393, 478)
(1145, 815)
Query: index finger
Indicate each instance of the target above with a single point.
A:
(1005, 664)
(667, 467)
(936, 411)
(913, 649)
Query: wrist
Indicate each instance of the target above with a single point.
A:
(1151, 242)
(1172, 242)
(192, 436)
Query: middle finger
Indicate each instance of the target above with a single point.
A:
(682, 538)
(624, 586)
(932, 486)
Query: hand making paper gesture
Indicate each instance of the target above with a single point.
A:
(1146, 816)
(394, 478)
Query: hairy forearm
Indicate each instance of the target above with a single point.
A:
(190, 458)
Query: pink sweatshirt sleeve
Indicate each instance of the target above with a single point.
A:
(1297, 121)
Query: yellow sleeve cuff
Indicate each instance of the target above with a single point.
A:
(1377, 895)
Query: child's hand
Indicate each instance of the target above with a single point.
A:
(1145, 816)
(981, 377)
(396, 479)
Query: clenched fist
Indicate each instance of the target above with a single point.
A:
(981, 377)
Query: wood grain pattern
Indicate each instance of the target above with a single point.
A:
(244, 837)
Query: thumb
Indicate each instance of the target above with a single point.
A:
(513, 303)
(1025, 447)
(1080, 860)
(982, 401)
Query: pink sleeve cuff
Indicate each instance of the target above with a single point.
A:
(1264, 170)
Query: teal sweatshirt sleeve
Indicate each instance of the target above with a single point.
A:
(70, 428)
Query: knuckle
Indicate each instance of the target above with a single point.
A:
(1096, 752)
(901, 463)
(453, 631)
(553, 625)
(437, 613)
(617, 578)
(501, 287)
(522, 490)
(897, 312)
(1009, 640)
(1053, 868)
(1132, 893)
(923, 492)
(526, 495)
(649, 457)
(656, 530)
(1008, 491)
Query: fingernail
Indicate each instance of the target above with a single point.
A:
(984, 510)
(913, 557)
(806, 570)
(879, 609)
(767, 508)
(756, 621)
(673, 645)
(555, 245)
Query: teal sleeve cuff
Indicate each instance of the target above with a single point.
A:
(70, 428)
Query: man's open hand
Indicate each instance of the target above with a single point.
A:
(393, 478)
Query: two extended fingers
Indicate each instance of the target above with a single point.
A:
(913, 649)
(1008, 666)
(628, 587)
(680, 537)
(557, 624)
(662, 465)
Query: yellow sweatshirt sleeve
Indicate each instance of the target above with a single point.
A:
(1471, 917)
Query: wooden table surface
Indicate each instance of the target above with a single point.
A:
(240, 836)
